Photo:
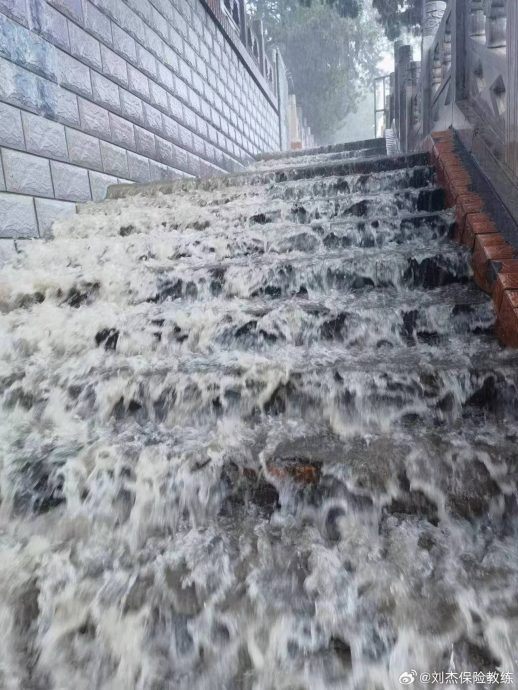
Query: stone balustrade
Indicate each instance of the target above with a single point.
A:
(468, 79)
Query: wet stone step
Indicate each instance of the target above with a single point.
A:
(386, 327)
(417, 474)
(216, 336)
(421, 228)
(373, 182)
(461, 298)
(262, 234)
(355, 475)
(264, 211)
(279, 237)
(320, 240)
(200, 326)
(407, 322)
(369, 183)
(227, 201)
(370, 144)
(281, 357)
(335, 189)
(303, 160)
(301, 259)
(326, 169)
(361, 206)
(276, 277)
(250, 179)
(273, 277)
(375, 390)
(360, 203)
(330, 475)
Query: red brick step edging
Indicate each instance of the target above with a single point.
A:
(495, 267)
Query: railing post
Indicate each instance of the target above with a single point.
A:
(392, 109)
(259, 31)
(242, 21)
(282, 100)
(426, 82)
(433, 11)
(397, 76)
(414, 107)
(404, 55)
(459, 64)
(511, 143)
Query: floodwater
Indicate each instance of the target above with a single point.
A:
(256, 436)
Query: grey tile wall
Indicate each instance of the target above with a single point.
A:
(92, 91)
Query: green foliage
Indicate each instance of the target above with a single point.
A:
(331, 49)
(397, 15)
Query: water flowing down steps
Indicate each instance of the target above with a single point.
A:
(257, 434)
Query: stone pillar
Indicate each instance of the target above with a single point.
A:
(404, 57)
(433, 11)
(282, 101)
(395, 91)
(242, 21)
(293, 122)
(511, 143)
(392, 103)
(460, 38)
(259, 31)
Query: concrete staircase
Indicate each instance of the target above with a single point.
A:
(268, 418)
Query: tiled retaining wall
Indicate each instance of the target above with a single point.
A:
(93, 92)
(494, 260)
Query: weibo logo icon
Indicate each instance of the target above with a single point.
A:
(407, 678)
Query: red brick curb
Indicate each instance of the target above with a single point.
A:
(494, 267)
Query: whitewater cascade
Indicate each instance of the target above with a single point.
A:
(256, 434)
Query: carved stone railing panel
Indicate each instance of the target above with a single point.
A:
(487, 70)
(469, 79)
(433, 13)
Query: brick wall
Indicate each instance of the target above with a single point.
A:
(93, 92)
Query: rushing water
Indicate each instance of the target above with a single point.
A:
(255, 436)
